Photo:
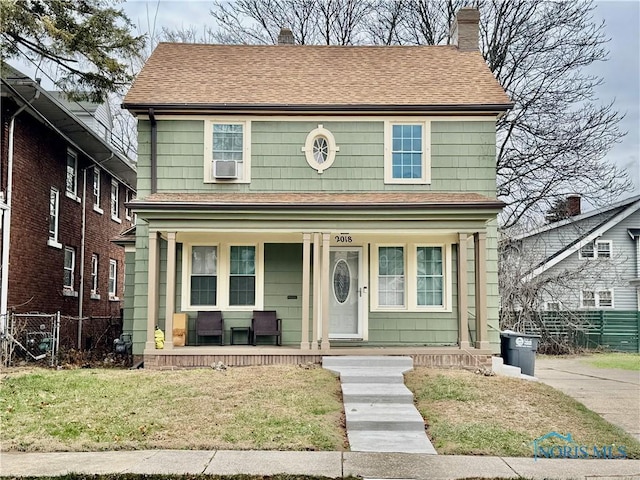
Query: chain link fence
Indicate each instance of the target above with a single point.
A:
(53, 339)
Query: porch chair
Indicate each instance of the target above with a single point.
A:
(210, 324)
(266, 324)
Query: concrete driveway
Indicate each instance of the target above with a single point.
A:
(612, 393)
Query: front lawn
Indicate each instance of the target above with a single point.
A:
(624, 361)
(470, 414)
(271, 408)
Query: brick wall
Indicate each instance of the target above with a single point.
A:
(36, 269)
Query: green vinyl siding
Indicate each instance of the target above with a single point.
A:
(129, 282)
(462, 158)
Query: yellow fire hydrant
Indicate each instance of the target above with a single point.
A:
(159, 337)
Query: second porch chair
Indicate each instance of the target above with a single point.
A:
(265, 323)
(210, 324)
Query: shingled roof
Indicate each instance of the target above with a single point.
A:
(324, 78)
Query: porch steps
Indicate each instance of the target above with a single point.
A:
(379, 409)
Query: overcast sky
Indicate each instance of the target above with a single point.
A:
(621, 73)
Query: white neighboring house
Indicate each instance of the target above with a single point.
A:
(593, 258)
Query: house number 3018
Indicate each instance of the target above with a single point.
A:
(343, 239)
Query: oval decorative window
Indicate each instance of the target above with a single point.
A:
(341, 281)
(320, 149)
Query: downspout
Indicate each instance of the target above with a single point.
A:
(82, 242)
(6, 217)
(154, 151)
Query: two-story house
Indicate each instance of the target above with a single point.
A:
(64, 189)
(350, 188)
(586, 261)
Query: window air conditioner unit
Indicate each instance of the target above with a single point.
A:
(225, 169)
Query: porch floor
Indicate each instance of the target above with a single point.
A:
(244, 355)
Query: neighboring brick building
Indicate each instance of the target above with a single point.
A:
(64, 189)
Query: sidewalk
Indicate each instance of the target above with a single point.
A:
(330, 464)
(614, 394)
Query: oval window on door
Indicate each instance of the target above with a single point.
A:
(341, 281)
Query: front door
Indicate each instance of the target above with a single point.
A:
(345, 292)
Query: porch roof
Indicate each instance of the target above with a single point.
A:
(315, 201)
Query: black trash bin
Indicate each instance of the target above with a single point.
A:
(519, 350)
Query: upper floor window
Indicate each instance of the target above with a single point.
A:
(227, 147)
(71, 184)
(54, 209)
(96, 190)
(596, 249)
(115, 204)
(69, 268)
(320, 149)
(127, 198)
(407, 152)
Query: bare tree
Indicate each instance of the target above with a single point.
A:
(556, 138)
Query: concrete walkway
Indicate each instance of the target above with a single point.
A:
(379, 410)
(613, 394)
(330, 464)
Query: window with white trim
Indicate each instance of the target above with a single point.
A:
(115, 204)
(54, 213)
(430, 278)
(242, 275)
(204, 275)
(71, 184)
(411, 277)
(113, 279)
(96, 190)
(596, 298)
(69, 268)
(227, 152)
(552, 306)
(94, 274)
(222, 276)
(320, 149)
(596, 249)
(407, 152)
(391, 276)
(127, 198)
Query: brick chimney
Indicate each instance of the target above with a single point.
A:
(573, 205)
(464, 29)
(285, 37)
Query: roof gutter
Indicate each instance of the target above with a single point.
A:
(154, 151)
(240, 107)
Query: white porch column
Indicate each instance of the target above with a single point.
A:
(480, 250)
(316, 291)
(463, 292)
(306, 265)
(324, 291)
(152, 291)
(170, 300)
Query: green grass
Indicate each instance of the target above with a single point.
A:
(623, 361)
(270, 408)
(470, 414)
